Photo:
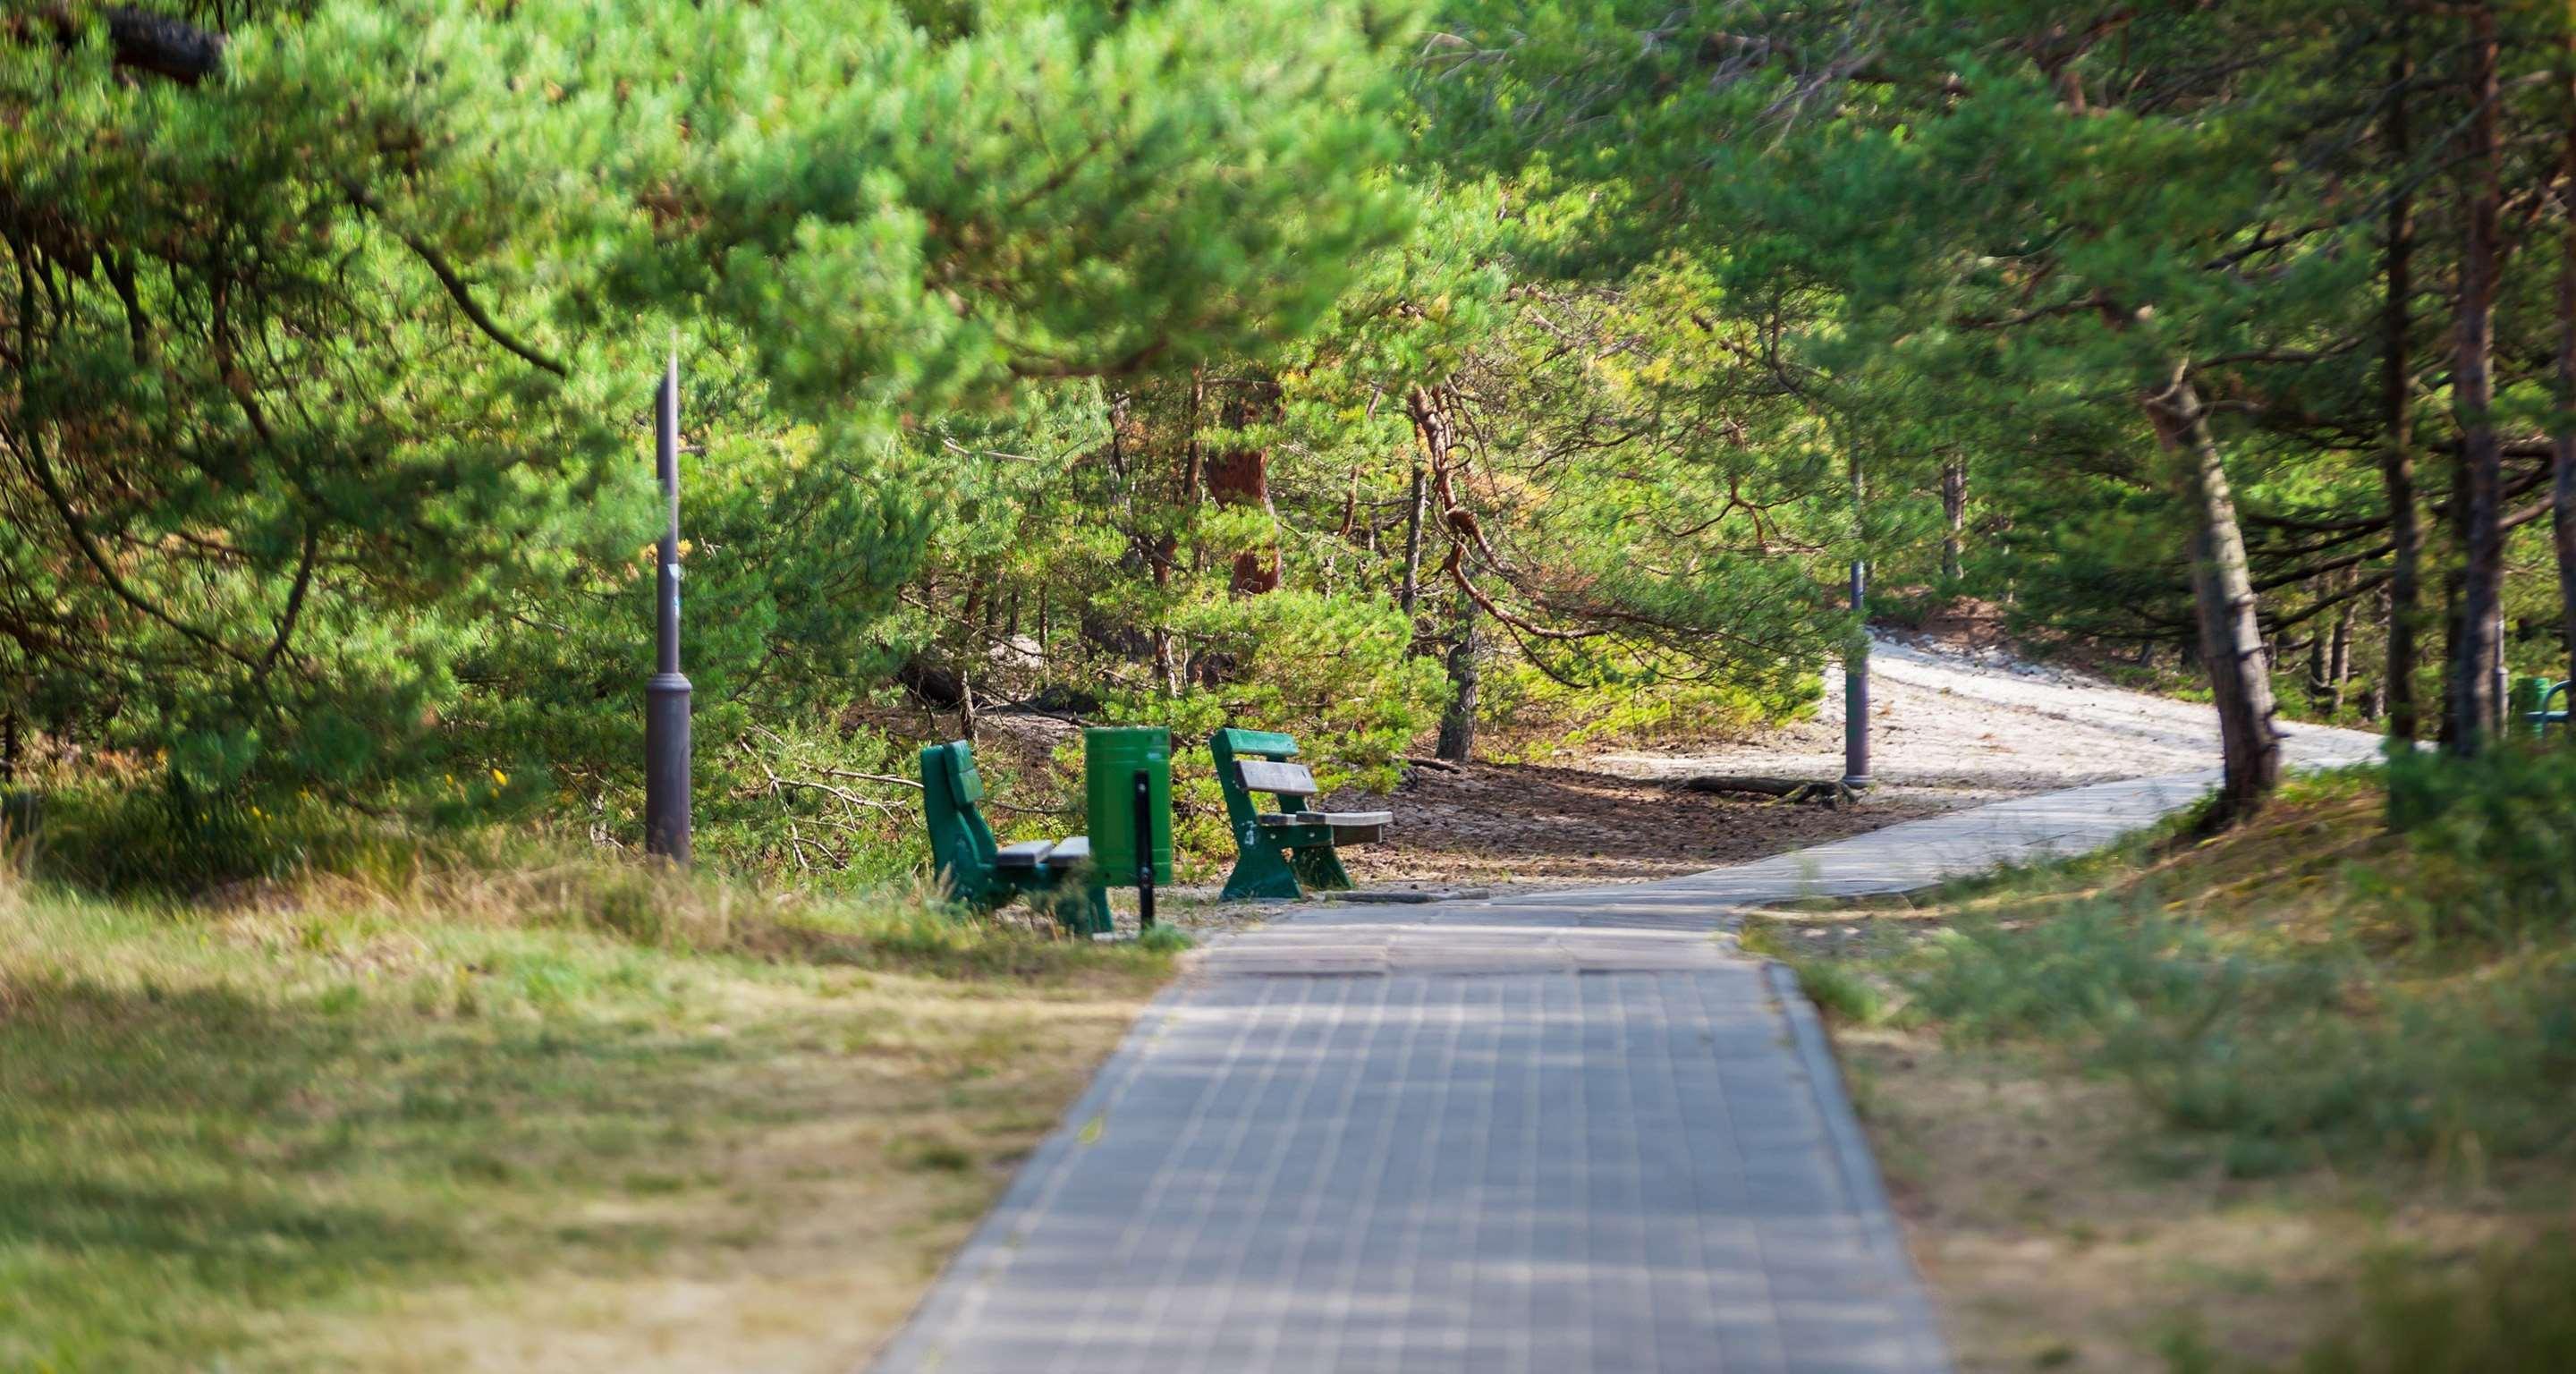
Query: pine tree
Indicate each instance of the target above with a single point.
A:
(328, 331)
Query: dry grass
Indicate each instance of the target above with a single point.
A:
(2057, 1234)
(561, 1116)
(2183, 1105)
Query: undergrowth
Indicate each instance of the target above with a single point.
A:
(2509, 1315)
(2314, 987)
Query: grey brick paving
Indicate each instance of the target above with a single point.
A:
(1552, 1134)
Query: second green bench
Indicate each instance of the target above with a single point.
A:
(1283, 849)
(1056, 876)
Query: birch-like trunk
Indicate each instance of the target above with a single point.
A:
(2231, 639)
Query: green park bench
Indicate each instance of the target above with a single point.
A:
(1285, 849)
(1056, 876)
(2533, 695)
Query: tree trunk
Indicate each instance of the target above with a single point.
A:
(2339, 660)
(2397, 461)
(1240, 476)
(1431, 430)
(2231, 639)
(2451, 629)
(967, 652)
(148, 42)
(1458, 723)
(2562, 478)
(1954, 506)
(1413, 545)
(2471, 695)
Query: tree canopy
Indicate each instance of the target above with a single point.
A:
(1347, 367)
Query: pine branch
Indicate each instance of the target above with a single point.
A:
(457, 290)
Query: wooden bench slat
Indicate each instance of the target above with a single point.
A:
(1287, 779)
(1025, 854)
(1358, 827)
(1070, 852)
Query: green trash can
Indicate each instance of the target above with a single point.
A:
(1127, 780)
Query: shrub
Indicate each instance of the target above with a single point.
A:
(172, 838)
(2493, 837)
(2509, 1316)
(1839, 992)
(2282, 1053)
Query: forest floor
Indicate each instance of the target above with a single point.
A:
(1954, 723)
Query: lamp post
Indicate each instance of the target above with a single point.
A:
(666, 693)
(1856, 689)
(1856, 659)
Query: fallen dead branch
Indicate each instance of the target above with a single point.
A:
(1793, 790)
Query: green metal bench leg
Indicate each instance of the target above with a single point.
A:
(1095, 911)
(1321, 869)
(1260, 871)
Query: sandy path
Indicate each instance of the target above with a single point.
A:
(1952, 728)
(1983, 725)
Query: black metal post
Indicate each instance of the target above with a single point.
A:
(1144, 851)
(1856, 689)
(666, 695)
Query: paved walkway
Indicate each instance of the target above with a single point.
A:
(1547, 1134)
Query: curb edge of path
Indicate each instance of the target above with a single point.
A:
(1853, 1159)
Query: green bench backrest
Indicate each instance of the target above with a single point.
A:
(1231, 749)
(961, 844)
(1264, 744)
(965, 784)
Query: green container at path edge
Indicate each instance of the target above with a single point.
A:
(1112, 755)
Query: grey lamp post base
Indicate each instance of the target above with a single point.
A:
(666, 766)
(1856, 726)
(666, 693)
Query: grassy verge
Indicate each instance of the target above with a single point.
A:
(548, 1116)
(2265, 1102)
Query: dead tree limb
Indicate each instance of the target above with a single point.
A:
(138, 39)
(1831, 794)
